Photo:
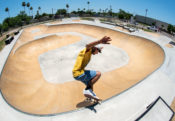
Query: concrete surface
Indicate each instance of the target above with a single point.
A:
(6, 51)
(123, 105)
(159, 112)
(58, 58)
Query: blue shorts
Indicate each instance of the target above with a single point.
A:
(86, 77)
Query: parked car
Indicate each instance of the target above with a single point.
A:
(153, 28)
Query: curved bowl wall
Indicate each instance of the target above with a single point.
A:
(22, 83)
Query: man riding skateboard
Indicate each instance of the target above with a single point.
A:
(88, 77)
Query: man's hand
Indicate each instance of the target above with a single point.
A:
(105, 40)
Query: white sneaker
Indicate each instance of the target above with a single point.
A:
(90, 92)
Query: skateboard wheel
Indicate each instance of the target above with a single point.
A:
(93, 100)
(99, 102)
(89, 99)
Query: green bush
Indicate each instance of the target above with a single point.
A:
(102, 20)
(124, 15)
(86, 18)
(2, 44)
(61, 12)
(171, 28)
(5, 27)
(0, 29)
(147, 30)
(15, 21)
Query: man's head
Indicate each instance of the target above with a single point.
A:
(96, 50)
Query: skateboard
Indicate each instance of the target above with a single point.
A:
(88, 101)
(92, 99)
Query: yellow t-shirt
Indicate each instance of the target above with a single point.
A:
(81, 62)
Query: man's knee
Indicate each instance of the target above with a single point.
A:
(98, 73)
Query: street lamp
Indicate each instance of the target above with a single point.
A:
(145, 15)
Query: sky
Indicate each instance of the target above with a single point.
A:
(163, 10)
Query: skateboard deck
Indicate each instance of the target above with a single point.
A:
(91, 98)
(89, 101)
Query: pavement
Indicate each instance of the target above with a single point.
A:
(144, 73)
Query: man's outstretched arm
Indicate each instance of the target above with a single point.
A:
(104, 40)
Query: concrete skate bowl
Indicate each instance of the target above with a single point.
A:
(24, 87)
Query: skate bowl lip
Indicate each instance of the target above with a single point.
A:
(74, 110)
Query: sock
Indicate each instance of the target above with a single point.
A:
(88, 87)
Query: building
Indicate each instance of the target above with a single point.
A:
(151, 22)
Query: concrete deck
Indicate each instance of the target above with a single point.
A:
(126, 91)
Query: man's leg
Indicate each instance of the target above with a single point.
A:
(94, 80)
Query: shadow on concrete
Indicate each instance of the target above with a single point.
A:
(88, 105)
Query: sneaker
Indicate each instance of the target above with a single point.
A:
(90, 92)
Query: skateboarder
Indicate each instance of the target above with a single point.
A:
(88, 77)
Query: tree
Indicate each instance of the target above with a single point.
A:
(100, 10)
(9, 21)
(154, 23)
(162, 26)
(18, 21)
(23, 18)
(110, 11)
(7, 10)
(121, 14)
(124, 15)
(106, 10)
(24, 4)
(1, 29)
(146, 14)
(31, 8)
(67, 6)
(39, 9)
(28, 5)
(61, 12)
(37, 16)
(88, 5)
(5, 27)
(81, 12)
(74, 12)
(15, 21)
(78, 9)
(170, 28)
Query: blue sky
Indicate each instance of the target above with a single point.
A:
(163, 10)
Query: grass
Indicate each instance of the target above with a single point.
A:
(2, 44)
(86, 18)
(147, 30)
(129, 25)
(143, 24)
(102, 20)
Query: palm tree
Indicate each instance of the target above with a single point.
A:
(28, 5)
(110, 8)
(88, 5)
(106, 10)
(78, 9)
(100, 10)
(39, 8)
(67, 6)
(7, 10)
(31, 8)
(24, 4)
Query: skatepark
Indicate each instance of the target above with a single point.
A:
(36, 78)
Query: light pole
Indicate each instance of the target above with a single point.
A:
(146, 14)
